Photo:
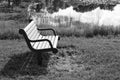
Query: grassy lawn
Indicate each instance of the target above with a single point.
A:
(77, 59)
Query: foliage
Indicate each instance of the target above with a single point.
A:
(80, 30)
(9, 29)
(17, 2)
(78, 58)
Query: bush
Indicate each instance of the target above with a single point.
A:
(9, 35)
(24, 5)
(10, 29)
(22, 16)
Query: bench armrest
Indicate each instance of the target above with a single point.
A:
(41, 40)
(48, 29)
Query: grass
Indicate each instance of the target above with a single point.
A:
(21, 16)
(78, 58)
(78, 29)
(9, 30)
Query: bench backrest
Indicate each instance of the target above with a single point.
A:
(30, 32)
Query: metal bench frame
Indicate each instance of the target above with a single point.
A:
(28, 41)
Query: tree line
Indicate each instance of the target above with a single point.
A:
(17, 2)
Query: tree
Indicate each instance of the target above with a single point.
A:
(57, 4)
(16, 2)
(9, 2)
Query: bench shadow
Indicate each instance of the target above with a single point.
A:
(14, 67)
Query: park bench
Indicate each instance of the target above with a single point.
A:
(37, 42)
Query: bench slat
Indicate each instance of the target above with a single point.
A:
(30, 30)
(36, 37)
(33, 34)
(40, 43)
(29, 26)
(34, 31)
(51, 39)
(44, 43)
(55, 42)
(47, 44)
(36, 43)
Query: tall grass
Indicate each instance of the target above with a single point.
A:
(9, 30)
(78, 29)
(70, 27)
(22, 16)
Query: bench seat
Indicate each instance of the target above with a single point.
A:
(45, 44)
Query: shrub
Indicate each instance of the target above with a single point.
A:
(9, 35)
(22, 16)
(9, 29)
(78, 29)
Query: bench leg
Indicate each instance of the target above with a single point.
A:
(58, 38)
(39, 58)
